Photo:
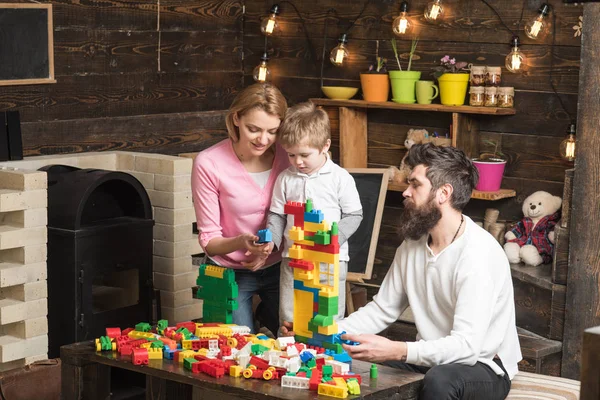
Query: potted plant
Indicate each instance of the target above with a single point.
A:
(404, 82)
(375, 83)
(491, 168)
(453, 78)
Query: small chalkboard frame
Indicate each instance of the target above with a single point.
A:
(38, 80)
(368, 271)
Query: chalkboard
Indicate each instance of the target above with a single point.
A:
(26, 44)
(372, 189)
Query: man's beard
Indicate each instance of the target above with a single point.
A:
(418, 221)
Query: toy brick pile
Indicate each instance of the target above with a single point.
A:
(224, 349)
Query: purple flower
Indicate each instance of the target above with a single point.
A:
(453, 61)
(445, 59)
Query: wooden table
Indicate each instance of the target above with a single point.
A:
(86, 375)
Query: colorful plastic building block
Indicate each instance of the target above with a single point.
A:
(373, 372)
(218, 289)
(264, 236)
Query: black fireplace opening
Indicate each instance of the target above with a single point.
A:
(100, 243)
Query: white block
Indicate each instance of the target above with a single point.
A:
(12, 311)
(146, 179)
(26, 292)
(11, 237)
(12, 274)
(174, 283)
(173, 233)
(27, 328)
(174, 249)
(177, 299)
(173, 266)
(173, 183)
(170, 216)
(162, 164)
(170, 199)
(25, 218)
(19, 179)
(296, 382)
(13, 200)
(25, 255)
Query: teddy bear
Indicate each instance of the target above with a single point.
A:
(532, 239)
(413, 136)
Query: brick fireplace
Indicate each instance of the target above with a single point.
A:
(23, 238)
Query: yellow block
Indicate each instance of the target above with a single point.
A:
(317, 256)
(302, 275)
(186, 354)
(146, 345)
(314, 227)
(214, 271)
(303, 311)
(155, 354)
(328, 291)
(305, 242)
(329, 330)
(296, 233)
(235, 370)
(296, 252)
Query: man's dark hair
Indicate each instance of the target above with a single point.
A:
(446, 165)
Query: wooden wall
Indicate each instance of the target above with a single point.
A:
(137, 75)
(470, 32)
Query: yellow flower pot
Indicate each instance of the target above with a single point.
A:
(453, 89)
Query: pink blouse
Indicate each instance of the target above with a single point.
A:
(228, 202)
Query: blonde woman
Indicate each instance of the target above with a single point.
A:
(232, 184)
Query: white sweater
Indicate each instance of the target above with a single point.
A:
(462, 300)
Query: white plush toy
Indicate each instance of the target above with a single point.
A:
(532, 239)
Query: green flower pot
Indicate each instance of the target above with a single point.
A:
(403, 86)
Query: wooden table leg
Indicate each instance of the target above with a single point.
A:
(85, 382)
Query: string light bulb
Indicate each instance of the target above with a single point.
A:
(567, 146)
(401, 24)
(536, 28)
(339, 52)
(269, 25)
(434, 11)
(515, 60)
(261, 72)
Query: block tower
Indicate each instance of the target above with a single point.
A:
(218, 289)
(315, 259)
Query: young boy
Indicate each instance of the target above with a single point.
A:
(304, 134)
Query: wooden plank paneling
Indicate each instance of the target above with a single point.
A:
(92, 96)
(583, 296)
(222, 16)
(162, 133)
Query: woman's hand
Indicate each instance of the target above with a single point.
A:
(374, 348)
(255, 264)
(248, 242)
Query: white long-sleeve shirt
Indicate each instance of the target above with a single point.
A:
(462, 300)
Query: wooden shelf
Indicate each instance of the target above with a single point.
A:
(390, 105)
(492, 196)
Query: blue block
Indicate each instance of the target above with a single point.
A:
(315, 216)
(264, 236)
(168, 353)
(342, 357)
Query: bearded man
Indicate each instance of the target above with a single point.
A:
(455, 277)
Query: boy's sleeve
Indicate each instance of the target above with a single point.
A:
(276, 220)
(276, 224)
(348, 224)
(348, 197)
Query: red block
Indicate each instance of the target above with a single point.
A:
(113, 333)
(315, 379)
(125, 349)
(126, 331)
(302, 264)
(225, 351)
(349, 376)
(139, 357)
(189, 325)
(259, 363)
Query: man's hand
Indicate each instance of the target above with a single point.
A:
(375, 348)
(287, 329)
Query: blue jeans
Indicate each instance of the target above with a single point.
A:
(264, 283)
(460, 382)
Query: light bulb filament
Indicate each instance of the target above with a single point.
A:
(535, 28)
(403, 25)
(270, 25)
(570, 150)
(262, 72)
(435, 11)
(339, 56)
(516, 61)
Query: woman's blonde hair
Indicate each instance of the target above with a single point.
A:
(262, 96)
(305, 121)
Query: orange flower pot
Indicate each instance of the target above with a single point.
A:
(375, 87)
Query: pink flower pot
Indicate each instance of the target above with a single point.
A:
(490, 175)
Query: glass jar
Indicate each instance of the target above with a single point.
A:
(477, 96)
(506, 96)
(477, 75)
(491, 96)
(493, 76)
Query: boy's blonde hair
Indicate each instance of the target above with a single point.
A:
(305, 121)
(262, 96)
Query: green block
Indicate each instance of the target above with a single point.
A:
(336, 347)
(162, 324)
(105, 343)
(143, 327)
(157, 344)
(328, 305)
(308, 206)
(311, 363)
(322, 237)
(187, 362)
(313, 326)
(258, 349)
(334, 228)
(323, 320)
(327, 370)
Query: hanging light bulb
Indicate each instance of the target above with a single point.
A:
(401, 24)
(536, 28)
(567, 146)
(268, 25)
(339, 52)
(261, 73)
(515, 60)
(434, 11)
